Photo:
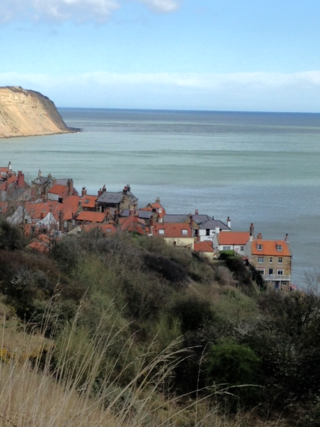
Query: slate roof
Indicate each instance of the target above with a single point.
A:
(141, 213)
(110, 197)
(212, 224)
(176, 218)
(199, 219)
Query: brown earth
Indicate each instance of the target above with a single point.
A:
(26, 112)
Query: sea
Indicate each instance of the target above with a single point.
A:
(262, 168)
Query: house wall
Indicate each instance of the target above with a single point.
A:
(240, 249)
(180, 241)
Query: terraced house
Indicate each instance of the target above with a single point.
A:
(273, 259)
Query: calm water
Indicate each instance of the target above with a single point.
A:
(254, 167)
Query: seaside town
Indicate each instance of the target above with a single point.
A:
(48, 208)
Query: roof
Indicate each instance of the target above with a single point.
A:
(212, 224)
(176, 218)
(134, 224)
(234, 238)
(205, 246)
(180, 230)
(91, 216)
(88, 201)
(270, 247)
(143, 214)
(42, 244)
(40, 180)
(199, 219)
(110, 197)
(60, 190)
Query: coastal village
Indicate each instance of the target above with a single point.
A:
(48, 208)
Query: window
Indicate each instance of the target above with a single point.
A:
(279, 248)
(226, 248)
(259, 247)
(184, 232)
(241, 248)
(270, 271)
(261, 271)
(270, 259)
(280, 272)
(260, 259)
(207, 232)
(280, 260)
(161, 231)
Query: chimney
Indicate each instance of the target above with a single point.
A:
(229, 222)
(125, 190)
(70, 187)
(196, 212)
(9, 169)
(20, 179)
(84, 191)
(39, 173)
(286, 239)
(217, 230)
(104, 189)
(158, 200)
(128, 187)
(259, 236)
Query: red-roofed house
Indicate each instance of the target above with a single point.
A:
(88, 216)
(133, 224)
(232, 241)
(176, 234)
(206, 249)
(273, 259)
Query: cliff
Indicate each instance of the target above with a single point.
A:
(26, 112)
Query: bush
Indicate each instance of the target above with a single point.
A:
(234, 365)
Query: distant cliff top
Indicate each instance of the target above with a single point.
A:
(26, 112)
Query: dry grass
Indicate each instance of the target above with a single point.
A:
(33, 394)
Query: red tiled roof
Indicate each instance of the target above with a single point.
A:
(134, 224)
(41, 244)
(91, 216)
(205, 246)
(233, 238)
(172, 230)
(269, 248)
(60, 190)
(88, 201)
(40, 210)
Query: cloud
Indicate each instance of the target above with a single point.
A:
(164, 6)
(234, 91)
(73, 10)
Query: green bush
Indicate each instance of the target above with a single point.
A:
(237, 367)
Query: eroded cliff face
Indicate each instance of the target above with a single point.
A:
(26, 112)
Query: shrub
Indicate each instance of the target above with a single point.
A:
(234, 365)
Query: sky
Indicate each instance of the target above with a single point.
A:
(220, 55)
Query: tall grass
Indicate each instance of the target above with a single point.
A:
(71, 381)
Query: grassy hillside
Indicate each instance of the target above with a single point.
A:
(131, 331)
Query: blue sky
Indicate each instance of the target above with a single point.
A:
(248, 55)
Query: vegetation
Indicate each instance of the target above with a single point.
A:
(136, 332)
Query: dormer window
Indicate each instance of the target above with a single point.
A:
(184, 232)
(259, 247)
(161, 232)
(279, 248)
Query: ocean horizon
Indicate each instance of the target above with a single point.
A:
(260, 167)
